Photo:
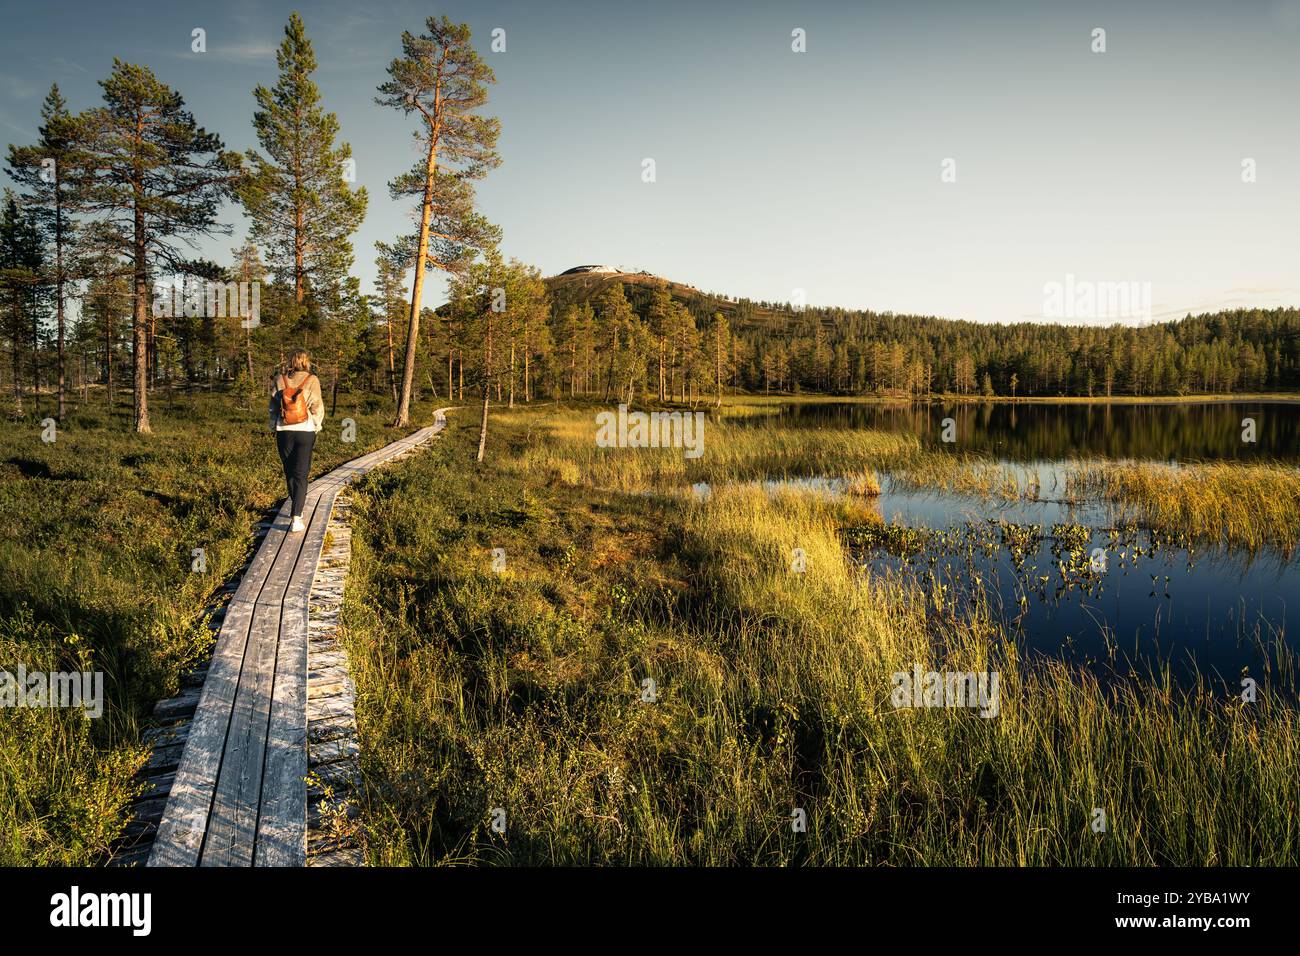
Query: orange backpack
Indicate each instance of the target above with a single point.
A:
(293, 404)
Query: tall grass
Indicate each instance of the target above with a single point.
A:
(1236, 504)
(1248, 505)
(562, 447)
(525, 691)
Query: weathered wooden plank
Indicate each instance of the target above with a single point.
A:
(344, 857)
(158, 785)
(170, 734)
(232, 825)
(282, 824)
(185, 821)
(341, 748)
(329, 728)
(182, 705)
(165, 758)
(147, 813)
(292, 555)
(329, 674)
(254, 579)
(338, 776)
(338, 688)
(323, 708)
(298, 586)
(329, 664)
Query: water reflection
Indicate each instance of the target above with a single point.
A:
(1071, 581)
(1074, 584)
(1185, 431)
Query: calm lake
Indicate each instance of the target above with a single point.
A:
(1148, 603)
(1041, 431)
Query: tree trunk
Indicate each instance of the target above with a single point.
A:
(613, 353)
(108, 358)
(36, 364)
(719, 358)
(392, 363)
(487, 391)
(248, 350)
(151, 348)
(16, 350)
(140, 330)
(58, 288)
(662, 395)
(421, 259)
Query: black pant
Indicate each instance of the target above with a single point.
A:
(295, 454)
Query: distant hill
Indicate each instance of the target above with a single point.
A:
(585, 283)
(854, 350)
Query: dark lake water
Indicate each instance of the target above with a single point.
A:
(1192, 431)
(1138, 602)
(1147, 603)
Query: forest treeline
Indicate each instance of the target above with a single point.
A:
(776, 347)
(99, 295)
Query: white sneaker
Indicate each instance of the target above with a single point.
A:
(297, 524)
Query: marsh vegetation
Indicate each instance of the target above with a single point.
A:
(525, 690)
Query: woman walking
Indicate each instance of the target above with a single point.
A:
(297, 411)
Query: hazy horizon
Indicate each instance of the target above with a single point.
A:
(778, 171)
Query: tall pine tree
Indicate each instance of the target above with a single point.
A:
(298, 195)
(151, 175)
(44, 170)
(441, 78)
(22, 266)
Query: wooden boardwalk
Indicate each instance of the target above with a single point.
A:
(239, 797)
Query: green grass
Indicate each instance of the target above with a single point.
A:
(523, 690)
(96, 536)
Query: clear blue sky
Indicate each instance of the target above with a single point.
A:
(776, 170)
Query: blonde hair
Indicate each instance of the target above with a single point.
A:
(298, 361)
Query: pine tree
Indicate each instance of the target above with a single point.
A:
(21, 267)
(615, 315)
(249, 267)
(528, 308)
(441, 77)
(719, 334)
(151, 175)
(660, 317)
(298, 197)
(43, 170)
